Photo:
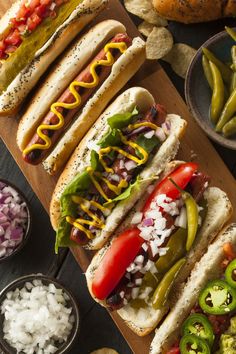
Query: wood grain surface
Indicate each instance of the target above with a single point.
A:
(195, 144)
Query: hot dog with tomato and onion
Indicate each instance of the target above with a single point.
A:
(75, 93)
(154, 250)
(32, 34)
(132, 140)
(203, 319)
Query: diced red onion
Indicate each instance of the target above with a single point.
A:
(115, 178)
(13, 219)
(148, 222)
(160, 134)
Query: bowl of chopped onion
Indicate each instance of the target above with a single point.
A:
(15, 220)
(38, 315)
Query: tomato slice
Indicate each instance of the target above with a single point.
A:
(118, 257)
(13, 38)
(33, 4)
(182, 176)
(41, 10)
(45, 2)
(22, 13)
(174, 351)
(33, 21)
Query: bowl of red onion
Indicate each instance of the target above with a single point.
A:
(15, 220)
(37, 315)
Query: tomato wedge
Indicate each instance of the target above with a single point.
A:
(181, 176)
(113, 266)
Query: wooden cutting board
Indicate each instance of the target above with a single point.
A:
(194, 145)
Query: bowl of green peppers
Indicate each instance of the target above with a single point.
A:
(210, 88)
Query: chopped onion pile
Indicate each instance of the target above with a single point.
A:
(13, 219)
(36, 318)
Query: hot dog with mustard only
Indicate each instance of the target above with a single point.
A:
(32, 34)
(133, 139)
(203, 318)
(76, 92)
(154, 250)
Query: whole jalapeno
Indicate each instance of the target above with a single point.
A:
(217, 298)
(218, 96)
(230, 274)
(226, 72)
(193, 344)
(229, 128)
(200, 326)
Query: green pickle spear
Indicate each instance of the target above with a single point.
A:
(207, 71)
(218, 96)
(161, 293)
(231, 32)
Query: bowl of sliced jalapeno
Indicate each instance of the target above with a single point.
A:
(210, 88)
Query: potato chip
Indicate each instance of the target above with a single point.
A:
(145, 10)
(159, 43)
(145, 28)
(180, 58)
(104, 351)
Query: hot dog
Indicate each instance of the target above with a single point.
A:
(155, 248)
(205, 310)
(32, 34)
(133, 138)
(38, 136)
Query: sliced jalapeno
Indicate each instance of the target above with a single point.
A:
(230, 274)
(194, 344)
(218, 298)
(200, 326)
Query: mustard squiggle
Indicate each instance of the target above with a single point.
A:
(122, 47)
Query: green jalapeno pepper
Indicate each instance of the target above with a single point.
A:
(207, 71)
(194, 345)
(218, 96)
(225, 71)
(161, 293)
(228, 112)
(200, 326)
(192, 215)
(230, 274)
(231, 32)
(218, 298)
(229, 128)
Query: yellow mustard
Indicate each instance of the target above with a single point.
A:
(95, 176)
(109, 61)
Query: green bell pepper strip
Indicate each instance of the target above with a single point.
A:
(225, 71)
(218, 96)
(217, 298)
(192, 215)
(207, 71)
(231, 32)
(200, 326)
(193, 345)
(228, 112)
(162, 291)
(230, 274)
(229, 128)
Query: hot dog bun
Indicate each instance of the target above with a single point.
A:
(193, 11)
(80, 159)
(76, 58)
(144, 321)
(17, 90)
(208, 268)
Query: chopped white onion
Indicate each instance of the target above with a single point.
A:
(134, 293)
(36, 318)
(150, 134)
(181, 220)
(138, 281)
(115, 178)
(130, 165)
(137, 218)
